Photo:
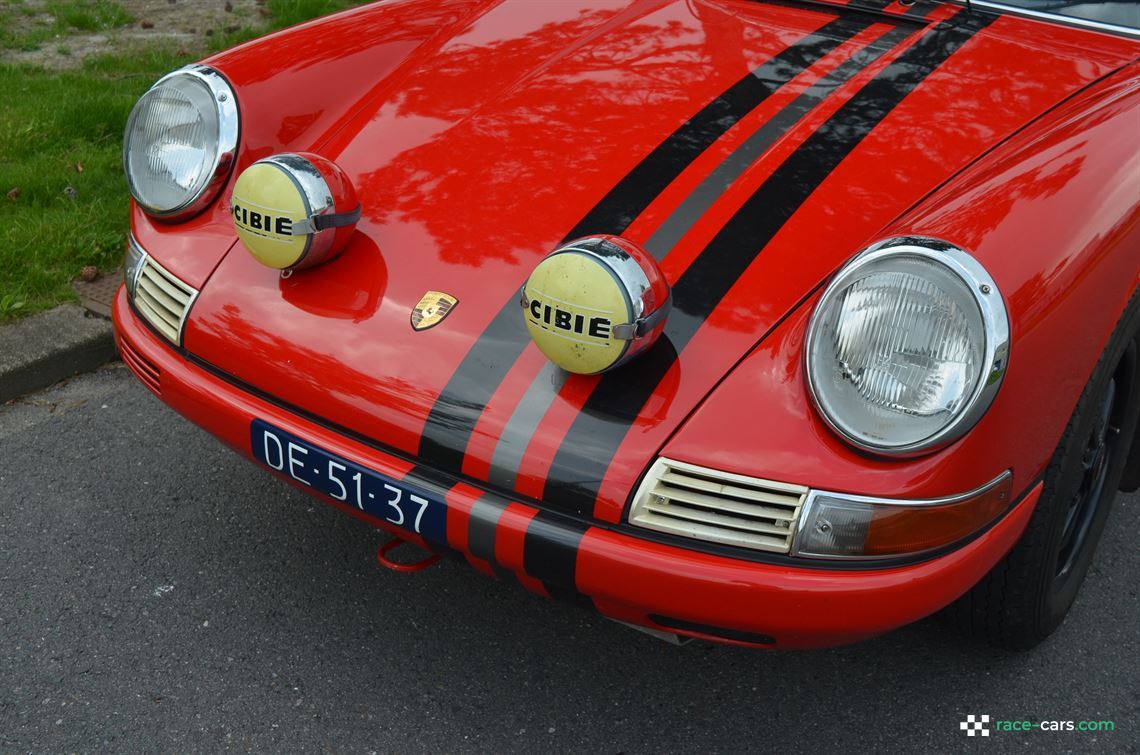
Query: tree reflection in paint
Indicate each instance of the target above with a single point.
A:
(506, 128)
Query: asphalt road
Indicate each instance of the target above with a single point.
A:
(157, 592)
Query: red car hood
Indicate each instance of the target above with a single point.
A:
(752, 147)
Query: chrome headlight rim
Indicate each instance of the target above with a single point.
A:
(995, 330)
(225, 155)
(133, 264)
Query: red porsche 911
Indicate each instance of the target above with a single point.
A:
(780, 323)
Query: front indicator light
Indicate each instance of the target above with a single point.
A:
(839, 526)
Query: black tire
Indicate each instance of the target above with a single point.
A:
(1027, 595)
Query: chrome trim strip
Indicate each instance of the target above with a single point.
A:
(131, 277)
(229, 128)
(1052, 17)
(807, 510)
(995, 322)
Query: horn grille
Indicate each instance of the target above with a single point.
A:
(719, 507)
(162, 299)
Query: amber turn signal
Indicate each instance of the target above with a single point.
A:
(836, 525)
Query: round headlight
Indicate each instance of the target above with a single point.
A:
(180, 143)
(907, 347)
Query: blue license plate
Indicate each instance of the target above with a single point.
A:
(395, 502)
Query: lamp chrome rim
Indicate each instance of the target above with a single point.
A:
(631, 278)
(229, 131)
(316, 197)
(995, 330)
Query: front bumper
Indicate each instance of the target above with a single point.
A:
(651, 584)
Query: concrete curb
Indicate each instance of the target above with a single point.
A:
(43, 349)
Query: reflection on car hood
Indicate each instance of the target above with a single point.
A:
(751, 147)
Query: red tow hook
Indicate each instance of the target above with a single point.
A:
(387, 563)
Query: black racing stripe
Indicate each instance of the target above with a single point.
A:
(453, 416)
(921, 8)
(550, 552)
(593, 439)
(640, 187)
(483, 526)
(869, 4)
(482, 532)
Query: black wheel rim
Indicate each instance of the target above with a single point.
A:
(1096, 463)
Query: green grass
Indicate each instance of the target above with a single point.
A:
(289, 12)
(52, 124)
(23, 27)
(33, 37)
(88, 15)
(61, 218)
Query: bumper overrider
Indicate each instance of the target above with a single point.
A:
(629, 574)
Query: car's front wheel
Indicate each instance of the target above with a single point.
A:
(1027, 595)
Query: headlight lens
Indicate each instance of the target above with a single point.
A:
(907, 346)
(180, 143)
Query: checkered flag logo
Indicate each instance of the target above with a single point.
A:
(975, 725)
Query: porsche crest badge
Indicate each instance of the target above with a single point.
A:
(433, 307)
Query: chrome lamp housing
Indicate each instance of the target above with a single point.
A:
(181, 142)
(907, 347)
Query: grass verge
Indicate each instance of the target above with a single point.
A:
(26, 26)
